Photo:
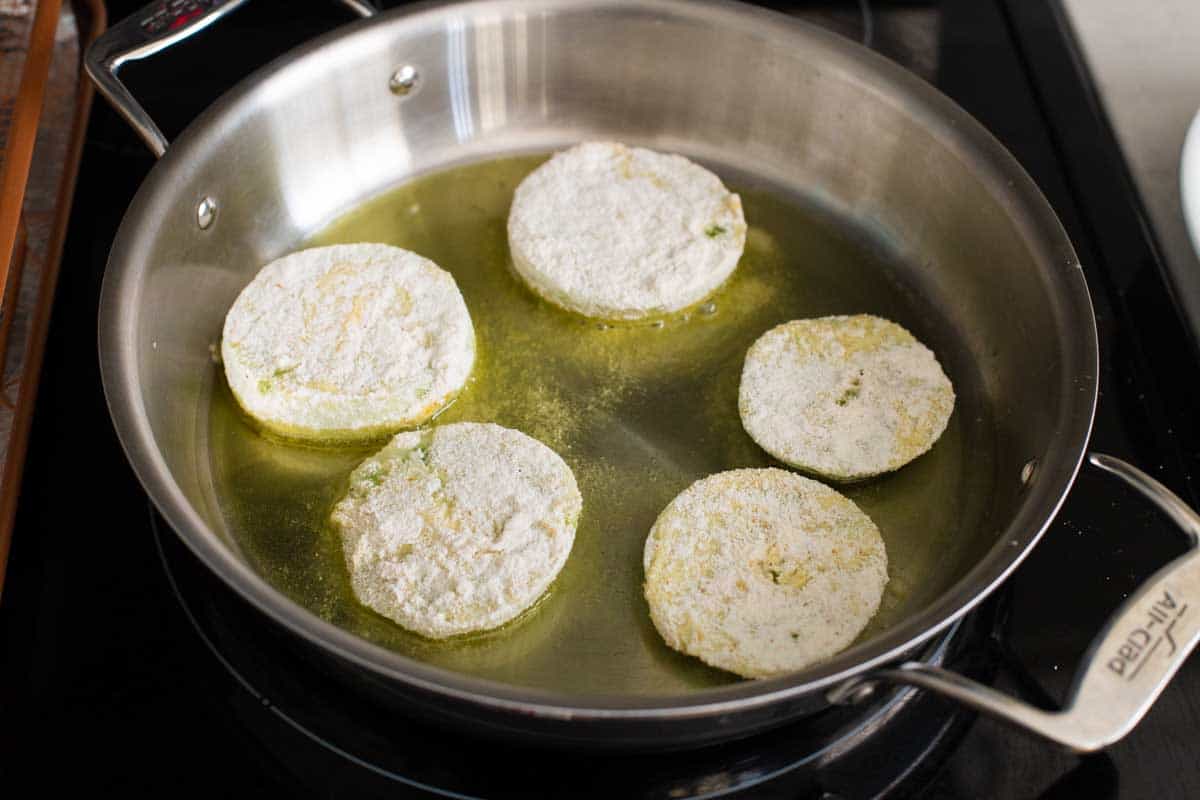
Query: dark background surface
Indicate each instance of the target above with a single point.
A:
(104, 685)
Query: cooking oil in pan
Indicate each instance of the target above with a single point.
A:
(639, 411)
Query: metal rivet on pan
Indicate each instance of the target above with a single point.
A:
(860, 693)
(852, 694)
(404, 80)
(1028, 471)
(206, 212)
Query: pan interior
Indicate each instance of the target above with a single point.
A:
(639, 411)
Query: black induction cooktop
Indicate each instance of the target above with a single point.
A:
(126, 668)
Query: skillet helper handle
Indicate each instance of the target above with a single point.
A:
(156, 27)
(1128, 665)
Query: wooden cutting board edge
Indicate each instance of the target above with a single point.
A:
(95, 19)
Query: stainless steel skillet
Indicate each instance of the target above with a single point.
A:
(405, 93)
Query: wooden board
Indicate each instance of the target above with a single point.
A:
(44, 104)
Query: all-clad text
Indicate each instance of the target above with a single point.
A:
(1140, 644)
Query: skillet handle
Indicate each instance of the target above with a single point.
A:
(156, 27)
(1128, 665)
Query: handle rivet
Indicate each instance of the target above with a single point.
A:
(404, 80)
(860, 693)
(1027, 471)
(852, 693)
(206, 212)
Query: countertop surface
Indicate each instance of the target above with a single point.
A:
(1144, 59)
